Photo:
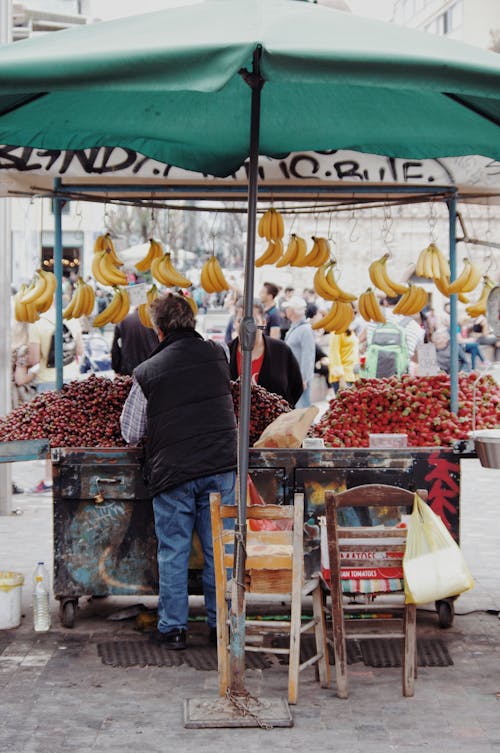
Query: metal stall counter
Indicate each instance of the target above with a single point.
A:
(104, 539)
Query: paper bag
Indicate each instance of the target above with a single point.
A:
(289, 429)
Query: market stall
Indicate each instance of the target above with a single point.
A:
(196, 111)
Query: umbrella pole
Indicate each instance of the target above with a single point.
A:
(247, 340)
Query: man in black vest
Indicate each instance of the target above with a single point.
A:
(180, 403)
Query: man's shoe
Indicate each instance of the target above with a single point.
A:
(42, 488)
(173, 639)
(212, 636)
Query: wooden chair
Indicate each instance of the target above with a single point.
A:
(349, 548)
(274, 565)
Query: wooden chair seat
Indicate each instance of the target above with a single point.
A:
(274, 565)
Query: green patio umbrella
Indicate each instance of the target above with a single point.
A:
(209, 85)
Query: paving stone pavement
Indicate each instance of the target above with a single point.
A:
(57, 695)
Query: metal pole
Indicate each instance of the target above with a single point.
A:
(58, 349)
(452, 215)
(5, 295)
(247, 340)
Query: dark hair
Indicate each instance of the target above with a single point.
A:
(172, 311)
(271, 288)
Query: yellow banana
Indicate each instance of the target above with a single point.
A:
(271, 254)
(143, 312)
(90, 295)
(77, 301)
(107, 314)
(335, 317)
(170, 273)
(44, 302)
(124, 307)
(301, 253)
(337, 291)
(263, 226)
(280, 226)
(468, 279)
(478, 308)
(192, 303)
(205, 280)
(109, 246)
(154, 252)
(110, 272)
(411, 302)
(378, 279)
(36, 290)
(369, 307)
(24, 312)
(320, 283)
(217, 276)
(152, 293)
(310, 260)
(398, 287)
(291, 252)
(323, 252)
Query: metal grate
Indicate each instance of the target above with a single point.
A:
(146, 654)
(388, 653)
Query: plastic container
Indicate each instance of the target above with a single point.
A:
(41, 599)
(10, 599)
(487, 445)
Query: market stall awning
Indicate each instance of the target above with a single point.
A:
(169, 85)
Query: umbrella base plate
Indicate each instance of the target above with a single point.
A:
(224, 712)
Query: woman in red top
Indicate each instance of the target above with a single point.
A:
(273, 364)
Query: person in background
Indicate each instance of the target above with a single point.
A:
(267, 295)
(41, 336)
(343, 359)
(180, 404)
(311, 305)
(300, 339)
(273, 364)
(285, 323)
(441, 340)
(132, 344)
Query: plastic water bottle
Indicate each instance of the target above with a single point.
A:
(41, 589)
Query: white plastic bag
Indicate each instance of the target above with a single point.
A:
(433, 565)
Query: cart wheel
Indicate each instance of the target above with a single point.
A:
(446, 612)
(67, 611)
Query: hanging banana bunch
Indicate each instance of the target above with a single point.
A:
(369, 307)
(295, 253)
(326, 286)
(106, 270)
(105, 243)
(40, 292)
(272, 254)
(432, 264)
(478, 308)
(412, 301)
(155, 251)
(24, 312)
(271, 225)
(115, 311)
(467, 280)
(319, 253)
(163, 270)
(381, 279)
(337, 320)
(212, 278)
(82, 301)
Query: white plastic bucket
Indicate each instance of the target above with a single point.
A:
(10, 599)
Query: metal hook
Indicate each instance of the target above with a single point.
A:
(351, 234)
(432, 222)
(386, 231)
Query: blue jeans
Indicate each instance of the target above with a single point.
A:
(177, 513)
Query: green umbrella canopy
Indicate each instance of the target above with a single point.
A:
(167, 84)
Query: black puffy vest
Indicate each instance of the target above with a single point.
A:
(191, 427)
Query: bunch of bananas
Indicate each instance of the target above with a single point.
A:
(369, 307)
(212, 277)
(468, 279)
(271, 225)
(326, 286)
(82, 301)
(295, 253)
(478, 308)
(381, 279)
(35, 299)
(106, 270)
(411, 302)
(432, 264)
(155, 251)
(443, 285)
(116, 310)
(272, 254)
(24, 312)
(337, 319)
(163, 270)
(105, 243)
(143, 308)
(319, 253)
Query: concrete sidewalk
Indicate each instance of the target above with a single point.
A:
(57, 694)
